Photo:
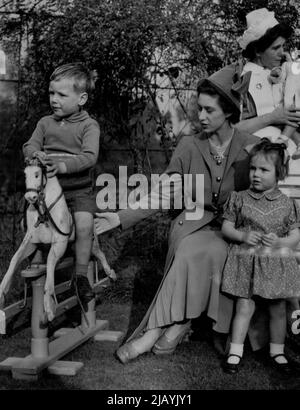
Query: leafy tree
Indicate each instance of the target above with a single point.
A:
(119, 38)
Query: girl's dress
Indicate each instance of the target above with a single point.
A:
(271, 273)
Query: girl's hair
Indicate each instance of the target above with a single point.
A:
(227, 106)
(274, 151)
(83, 78)
(260, 45)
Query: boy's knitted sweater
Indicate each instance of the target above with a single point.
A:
(77, 135)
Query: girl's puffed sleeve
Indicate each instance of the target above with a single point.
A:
(293, 221)
(232, 207)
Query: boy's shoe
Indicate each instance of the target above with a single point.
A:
(83, 289)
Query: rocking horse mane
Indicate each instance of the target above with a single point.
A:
(34, 162)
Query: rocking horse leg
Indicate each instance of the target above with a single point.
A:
(57, 250)
(96, 251)
(26, 249)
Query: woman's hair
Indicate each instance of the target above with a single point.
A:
(274, 151)
(83, 78)
(260, 45)
(227, 106)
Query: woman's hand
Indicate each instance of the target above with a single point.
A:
(270, 239)
(251, 238)
(106, 221)
(285, 116)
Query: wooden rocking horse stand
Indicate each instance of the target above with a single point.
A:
(45, 354)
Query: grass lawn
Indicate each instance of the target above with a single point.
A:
(194, 366)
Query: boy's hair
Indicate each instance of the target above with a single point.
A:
(83, 78)
(274, 151)
(227, 106)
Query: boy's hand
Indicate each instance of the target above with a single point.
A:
(106, 221)
(41, 155)
(54, 167)
(252, 238)
(270, 239)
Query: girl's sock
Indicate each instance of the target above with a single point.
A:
(235, 348)
(275, 349)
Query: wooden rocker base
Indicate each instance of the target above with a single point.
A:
(45, 356)
(30, 367)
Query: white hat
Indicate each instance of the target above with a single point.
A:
(258, 22)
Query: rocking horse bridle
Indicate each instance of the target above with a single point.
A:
(41, 203)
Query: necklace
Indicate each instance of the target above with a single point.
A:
(218, 155)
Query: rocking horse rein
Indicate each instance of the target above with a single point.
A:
(46, 216)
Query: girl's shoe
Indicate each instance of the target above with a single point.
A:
(231, 368)
(126, 352)
(164, 345)
(284, 368)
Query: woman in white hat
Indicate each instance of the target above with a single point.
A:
(197, 252)
(266, 112)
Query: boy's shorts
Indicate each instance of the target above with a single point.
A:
(81, 200)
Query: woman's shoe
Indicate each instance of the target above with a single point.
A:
(164, 345)
(231, 368)
(126, 352)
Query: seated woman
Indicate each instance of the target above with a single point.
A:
(197, 251)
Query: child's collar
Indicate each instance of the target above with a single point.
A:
(271, 195)
(78, 116)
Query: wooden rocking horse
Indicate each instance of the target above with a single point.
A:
(48, 222)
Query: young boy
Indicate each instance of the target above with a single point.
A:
(68, 142)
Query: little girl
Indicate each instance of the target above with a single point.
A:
(262, 224)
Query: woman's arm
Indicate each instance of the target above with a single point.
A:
(252, 125)
(279, 117)
(166, 194)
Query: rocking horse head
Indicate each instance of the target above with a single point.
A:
(35, 179)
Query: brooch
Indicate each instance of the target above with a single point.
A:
(259, 86)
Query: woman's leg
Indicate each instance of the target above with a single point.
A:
(244, 311)
(176, 329)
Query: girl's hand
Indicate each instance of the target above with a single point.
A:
(106, 221)
(251, 238)
(270, 239)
